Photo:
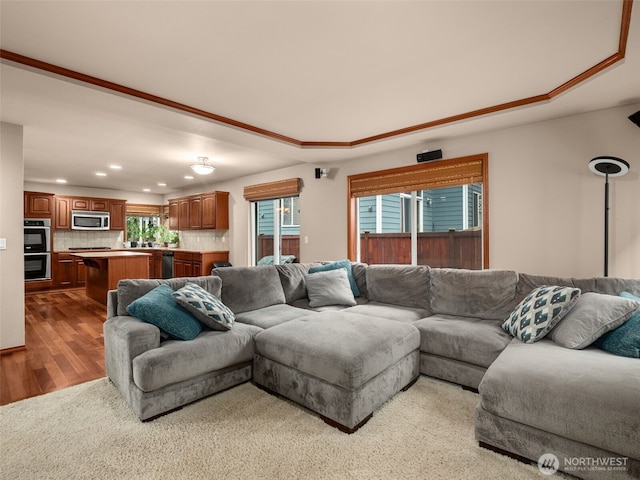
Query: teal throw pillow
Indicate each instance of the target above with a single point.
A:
(346, 264)
(540, 311)
(160, 309)
(205, 307)
(624, 340)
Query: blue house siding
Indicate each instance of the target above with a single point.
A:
(368, 214)
(265, 220)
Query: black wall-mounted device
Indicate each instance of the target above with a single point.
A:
(635, 118)
(428, 156)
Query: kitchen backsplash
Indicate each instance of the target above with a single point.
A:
(64, 240)
(204, 240)
(189, 239)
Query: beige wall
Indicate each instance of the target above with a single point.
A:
(546, 208)
(11, 259)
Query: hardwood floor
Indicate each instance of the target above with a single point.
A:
(64, 345)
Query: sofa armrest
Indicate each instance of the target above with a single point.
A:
(112, 303)
(124, 339)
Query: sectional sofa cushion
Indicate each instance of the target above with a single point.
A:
(624, 340)
(176, 361)
(487, 294)
(403, 285)
(466, 339)
(593, 315)
(588, 396)
(329, 288)
(292, 280)
(345, 264)
(540, 311)
(250, 288)
(272, 315)
(344, 349)
(129, 290)
(392, 312)
(209, 310)
(159, 308)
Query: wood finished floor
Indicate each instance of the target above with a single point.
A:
(64, 345)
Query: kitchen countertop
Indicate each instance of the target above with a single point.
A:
(108, 254)
(148, 250)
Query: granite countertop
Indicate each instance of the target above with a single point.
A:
(147, 250)
(109, 254)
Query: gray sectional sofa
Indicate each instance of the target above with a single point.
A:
(343, 361)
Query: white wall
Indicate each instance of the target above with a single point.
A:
(11, 259)
(546, 209)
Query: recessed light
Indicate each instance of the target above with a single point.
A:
(115, 167)
(61, 180)
(101, 174)
(188, 177)
(146, 189)
(162, 184)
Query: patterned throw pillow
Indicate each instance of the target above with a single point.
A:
(205, 307)
(540, 311)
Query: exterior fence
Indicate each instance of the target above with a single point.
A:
(452, 249)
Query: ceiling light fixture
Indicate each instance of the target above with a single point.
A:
(101, 174)
(188, 177)
(61, 180)
(115, 167)
(202, 168)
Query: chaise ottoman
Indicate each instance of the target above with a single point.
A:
(340, 365)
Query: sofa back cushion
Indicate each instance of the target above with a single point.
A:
(132, 289)
(485, 294)
(292, 280)
(250, 288)
(404, 285)
(607, 285)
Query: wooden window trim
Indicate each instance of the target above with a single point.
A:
(272, 190)
(438, 174)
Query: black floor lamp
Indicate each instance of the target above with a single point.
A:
(608, 167)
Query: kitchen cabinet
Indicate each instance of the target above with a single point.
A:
(205, 211)
(117, 214)
(173, 214)
(183, 214)
(155, 264)
(196, 264)
(68, 271)
(38, 205)
(195, 212)
(90, 204)
(62, 215)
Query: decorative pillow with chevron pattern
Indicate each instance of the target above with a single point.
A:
(205, 307)
(540, 311)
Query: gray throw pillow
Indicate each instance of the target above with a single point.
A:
(330, 287)
(594, 315)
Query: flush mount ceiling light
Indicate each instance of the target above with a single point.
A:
(202, 168)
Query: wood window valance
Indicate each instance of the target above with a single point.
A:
(445, 173)
(271, 190)
(143, 210)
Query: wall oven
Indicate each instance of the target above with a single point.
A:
(37, 249)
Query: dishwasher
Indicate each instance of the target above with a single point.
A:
(167, 264)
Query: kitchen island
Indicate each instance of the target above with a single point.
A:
(105, 269)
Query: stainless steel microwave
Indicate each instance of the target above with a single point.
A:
(89, 220)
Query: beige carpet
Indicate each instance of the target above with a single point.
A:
(87, 432)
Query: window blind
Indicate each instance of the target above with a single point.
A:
(267, 191)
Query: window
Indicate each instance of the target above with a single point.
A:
(275, 221)
(143, 229)
(439, 222)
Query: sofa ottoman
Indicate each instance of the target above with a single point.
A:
(340, 365)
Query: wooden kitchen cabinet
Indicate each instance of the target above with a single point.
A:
(155, 264)
(117, 214)
(208, 211)
(38, 205)
(68, 271)
(62, 215)
(196, 264)
(89, 204)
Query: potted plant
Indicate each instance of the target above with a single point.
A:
(174, 238)
(133, 231)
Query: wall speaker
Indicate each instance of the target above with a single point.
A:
(428, 156)
(635, 118)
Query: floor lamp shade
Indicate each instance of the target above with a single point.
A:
(607, 167)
